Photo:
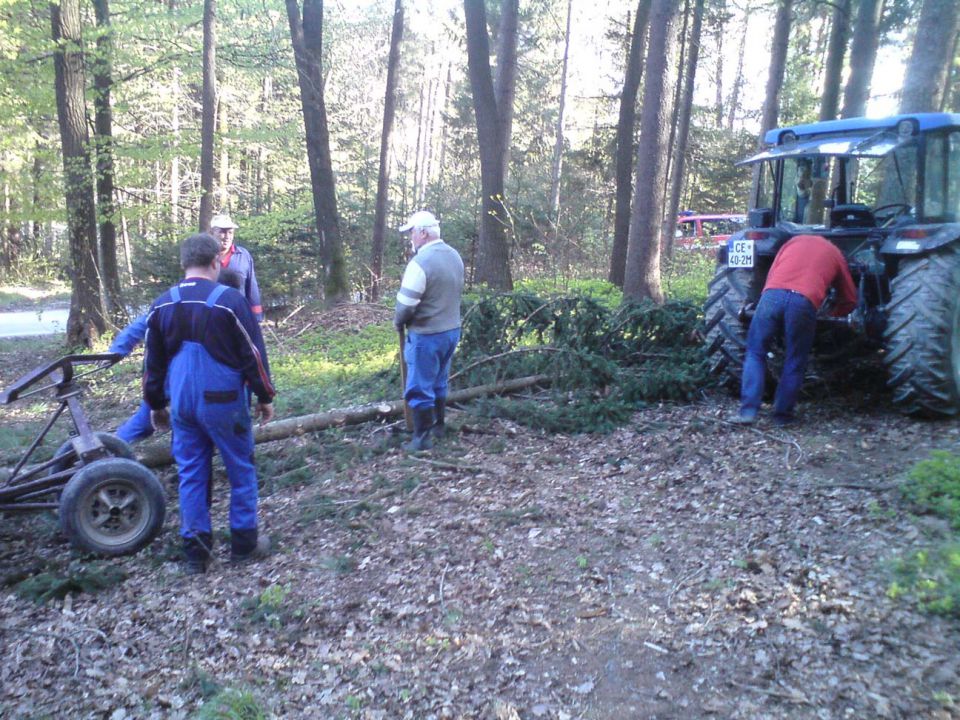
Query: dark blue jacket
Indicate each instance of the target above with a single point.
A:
(227, 331)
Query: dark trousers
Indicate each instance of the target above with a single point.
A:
(786, 314)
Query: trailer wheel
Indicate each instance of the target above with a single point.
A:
(923, 334)
(112, 506)
(67, 458)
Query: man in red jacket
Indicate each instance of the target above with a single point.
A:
(803, 272)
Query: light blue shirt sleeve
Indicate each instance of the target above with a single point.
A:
(131, 336)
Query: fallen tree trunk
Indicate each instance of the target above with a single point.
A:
(158, 456)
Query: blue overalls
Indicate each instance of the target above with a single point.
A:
(208, 407)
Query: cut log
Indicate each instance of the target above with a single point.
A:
(158, 456)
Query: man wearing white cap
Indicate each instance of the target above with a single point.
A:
(428, 305)
(238, 259)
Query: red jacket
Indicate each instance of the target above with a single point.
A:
(811, 265)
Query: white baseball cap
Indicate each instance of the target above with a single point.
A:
(223, 221)
(420, 219)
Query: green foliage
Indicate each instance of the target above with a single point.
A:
(269, 606)
(603, 361)
(230, 704)
(931, 578)
(82, 579)
(934, 486)
(686, 276)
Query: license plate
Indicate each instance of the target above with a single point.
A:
(740, 253)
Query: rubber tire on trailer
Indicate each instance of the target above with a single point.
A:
(922, 338)
(115, 446)
(112, 506)
(726, 336)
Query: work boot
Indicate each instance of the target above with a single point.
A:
(422, 425)
(197, 552)
(246, 546)
(439, 423)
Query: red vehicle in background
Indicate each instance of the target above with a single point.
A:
(706, 231)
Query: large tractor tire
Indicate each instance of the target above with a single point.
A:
(923, 334)
(727, 292)
(112, 507)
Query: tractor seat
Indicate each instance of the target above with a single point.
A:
(853, 215)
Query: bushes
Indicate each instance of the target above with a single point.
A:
(932, 576)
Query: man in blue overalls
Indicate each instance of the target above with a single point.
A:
(203, 344)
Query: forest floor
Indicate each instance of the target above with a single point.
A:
(679, 567)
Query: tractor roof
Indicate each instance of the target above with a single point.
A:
(925, 121)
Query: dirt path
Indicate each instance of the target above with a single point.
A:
(677, 568)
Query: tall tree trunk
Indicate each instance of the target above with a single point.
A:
(642, 278)
(930, 61)
(505, 82)
(863, 55)
(836, 50)
(223, 165)
(306, 35)
(683, 129)
(87, 319)
(103, 133)
(558, 145)
(175, 160)
(624, 159)
(208, 111)
(778, 66)
(493, 256)
(738, 78)
(389, 108)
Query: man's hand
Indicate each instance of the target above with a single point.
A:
(160, 419)
(263, 412)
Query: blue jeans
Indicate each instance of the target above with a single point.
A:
(786, 314)
(428, 365)
(138, 426)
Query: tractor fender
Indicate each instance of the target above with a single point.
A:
(920, 239)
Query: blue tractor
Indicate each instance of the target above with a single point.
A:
(887, 193)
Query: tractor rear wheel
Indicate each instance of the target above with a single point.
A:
(728, 291)
(922, 338)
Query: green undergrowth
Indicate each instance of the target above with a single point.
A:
(931, 576)
(603, 361)
(232, 704)
(326, 369)
(56, 584)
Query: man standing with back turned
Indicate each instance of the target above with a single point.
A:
(428, 304)
(202, 345)
(804, 270)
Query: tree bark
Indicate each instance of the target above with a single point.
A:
(863, 55)
(389, 108)
(505, 83)
(493, 256)
(159, 455)
(778, 66)
(103, 134)
(683, 129)
(624, 159)
(930, 60)
(208, 111)
(557, 165)
(642, 279)
(836, 51)
(738, 78)
(87, 319)
(307, 38)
